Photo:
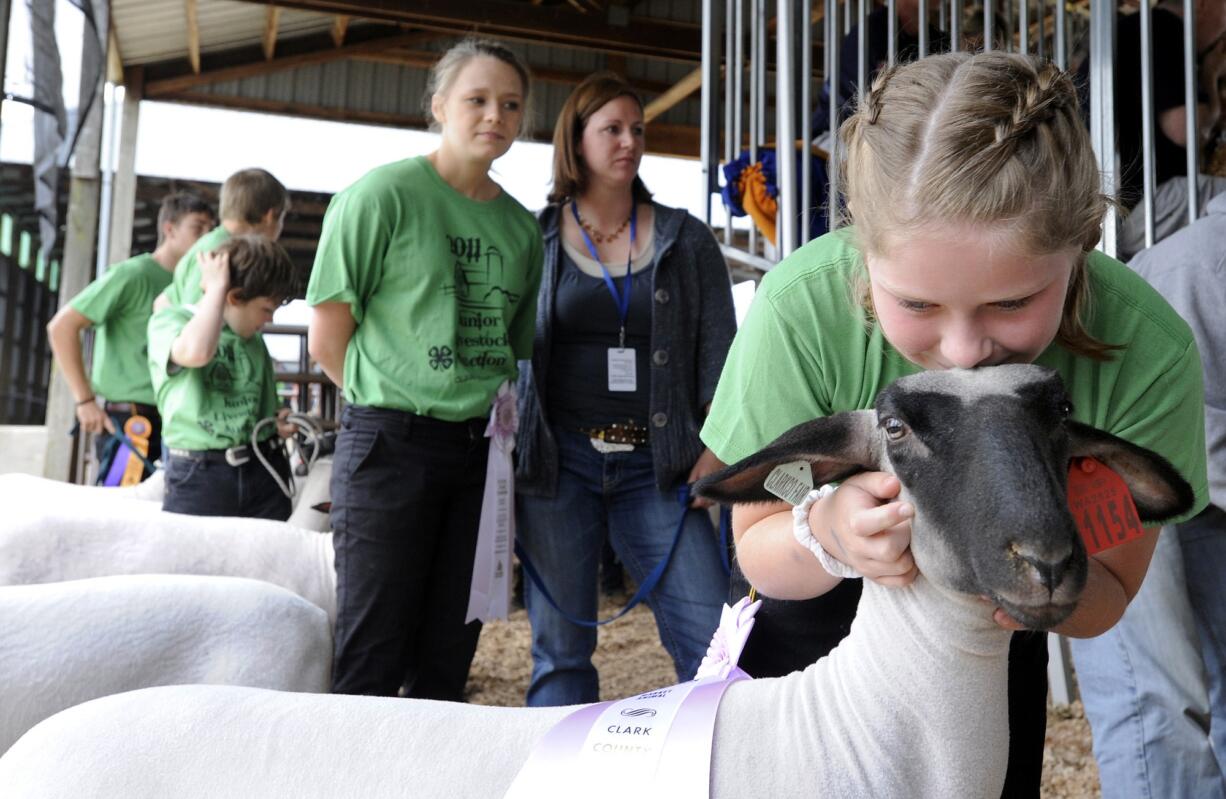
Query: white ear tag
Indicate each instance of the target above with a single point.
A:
(791, 482)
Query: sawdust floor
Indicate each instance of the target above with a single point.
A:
(631, 660)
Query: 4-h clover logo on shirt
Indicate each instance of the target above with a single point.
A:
(440, 358)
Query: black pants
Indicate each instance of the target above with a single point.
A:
(406, 503)
(788, 636)
(202, 486)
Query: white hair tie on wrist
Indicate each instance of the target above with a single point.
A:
(804, 534)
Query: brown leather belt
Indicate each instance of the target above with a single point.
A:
(619, 433)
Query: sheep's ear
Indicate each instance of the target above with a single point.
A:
(1157, 488)
(835, 447)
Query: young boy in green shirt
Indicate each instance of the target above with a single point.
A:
(118, 306)
(252, 202)
(213, 378)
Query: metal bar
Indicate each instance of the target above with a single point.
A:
(848, 13)
(862, 49)
(747, 258)
(1060, 45)
(833, 42)
(806, 118)
(730, 67)
(709, 104)
(738, 86)
(5, 7)
(989, 25)
(1023, 25)
(942, 18)
(923, 27)
(785, 162)
(755, 132)
(1060, 667)
(763, 126)
(1041, 8)
(1102, 108)
(1147, 121)
(891, 31)
(1189, 102)
(1007, 36)
(955, 25)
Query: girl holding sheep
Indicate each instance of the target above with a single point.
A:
(423, 294)
(975, 204)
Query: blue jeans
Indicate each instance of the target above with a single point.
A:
(1203, 541)
(1143, 683)
(613, 495)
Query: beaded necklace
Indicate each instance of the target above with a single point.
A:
(597, 236)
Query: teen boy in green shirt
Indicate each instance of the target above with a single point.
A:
(213, 378)
(118, 306)
(252, 202)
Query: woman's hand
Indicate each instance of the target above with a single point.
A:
(862, 526)
(706, 464)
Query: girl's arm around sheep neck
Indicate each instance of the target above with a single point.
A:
(863, 524)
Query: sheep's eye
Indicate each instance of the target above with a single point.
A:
(1066, 409)
(894, 428)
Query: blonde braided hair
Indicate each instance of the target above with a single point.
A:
(991, 139)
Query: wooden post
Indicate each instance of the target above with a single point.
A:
(77, 269)
(123, 193)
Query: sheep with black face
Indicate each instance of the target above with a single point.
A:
(911, 704)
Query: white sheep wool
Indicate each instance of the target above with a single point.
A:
(64, 643)
(877, 719)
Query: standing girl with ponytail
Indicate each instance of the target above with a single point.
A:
(424, 293)
(975, 204)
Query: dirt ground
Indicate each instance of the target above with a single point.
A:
(631, 660)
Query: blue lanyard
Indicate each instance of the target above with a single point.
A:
(622, 300)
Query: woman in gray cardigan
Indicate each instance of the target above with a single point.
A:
(634, 321)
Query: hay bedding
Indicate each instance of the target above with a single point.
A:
(631, 660)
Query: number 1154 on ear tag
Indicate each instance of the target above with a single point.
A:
(1101, 506)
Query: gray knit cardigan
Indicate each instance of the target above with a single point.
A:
(692, 325)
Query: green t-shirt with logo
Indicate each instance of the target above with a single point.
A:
(119, 305)
(185, 288)
(805, 351)
(215, 406)
(442, 289)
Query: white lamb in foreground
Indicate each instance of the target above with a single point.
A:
(911, 704)
(45, 544)
(65, 643)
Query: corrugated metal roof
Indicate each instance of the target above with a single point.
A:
(142, 27)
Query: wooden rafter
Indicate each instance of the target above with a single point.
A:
(340, 24)
(193, 36)
(271, 18)
(424, 59)
(180, 83)
(648, 37)
(679, 91)
(662, 139)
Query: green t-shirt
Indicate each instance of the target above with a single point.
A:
(185, 289)
(214, 406)
(805, 351)
(119, 305)
(442, 288)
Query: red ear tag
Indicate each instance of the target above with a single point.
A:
(1101, 505)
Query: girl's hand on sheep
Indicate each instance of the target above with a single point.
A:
(861, 526)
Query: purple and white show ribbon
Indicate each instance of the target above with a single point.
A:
(489, 597)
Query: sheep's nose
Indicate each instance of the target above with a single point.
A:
(1050, 572)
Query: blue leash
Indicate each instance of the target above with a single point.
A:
(645, 588)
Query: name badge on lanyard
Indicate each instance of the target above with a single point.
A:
(623, 366)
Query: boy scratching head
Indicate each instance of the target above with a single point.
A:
(253, 201)
(257, 276)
